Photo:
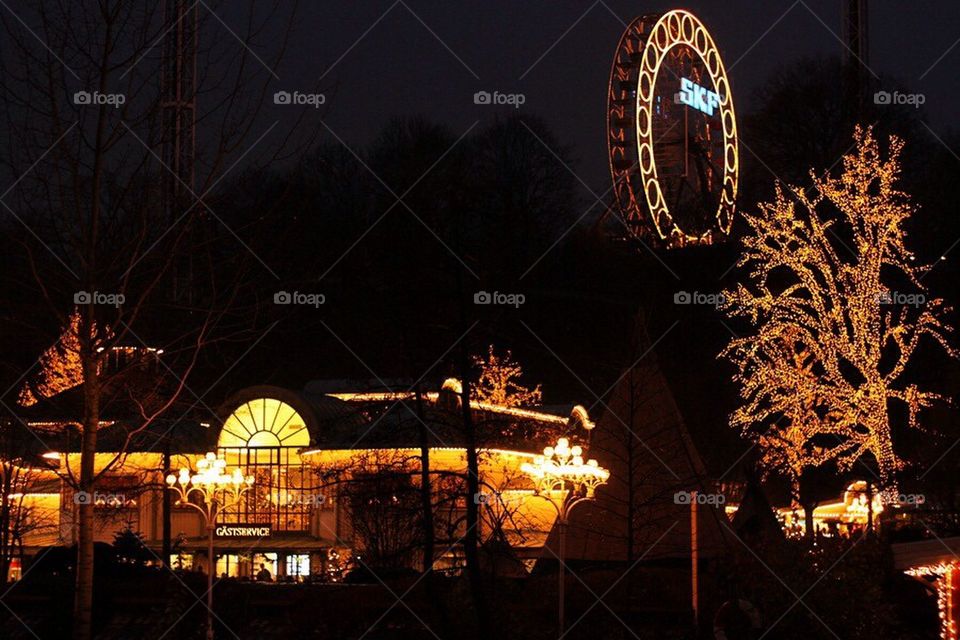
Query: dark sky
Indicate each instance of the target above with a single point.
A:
(376, 60)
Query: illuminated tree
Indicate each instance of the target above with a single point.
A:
(60, 367)
(499, 382)
(825, 363)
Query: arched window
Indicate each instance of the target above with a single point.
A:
(264, 422)
(263, 437)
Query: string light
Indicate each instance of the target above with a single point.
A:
(499, 382)
(942, 572)
(827, 354)
(60, 366)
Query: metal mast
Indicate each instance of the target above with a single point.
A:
(856, 52)
(179, 109)
(178, 105)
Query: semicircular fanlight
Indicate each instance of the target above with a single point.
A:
(264, 422)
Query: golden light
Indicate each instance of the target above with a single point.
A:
(562, 467)
(857, 504)
(672, 29)
(851, 511)
(579, 414)
(944, 575)
(836, 318)
(647, 50)
(453, 385)
(500, 381)
(211, 475)
(218, 488)
(210, 478)
(562, 478)
(264, 422)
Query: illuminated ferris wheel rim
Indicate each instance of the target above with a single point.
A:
(675, 29)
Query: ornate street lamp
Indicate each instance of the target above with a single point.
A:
(217, 489)
(562, 478)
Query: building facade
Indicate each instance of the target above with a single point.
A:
(338, 482)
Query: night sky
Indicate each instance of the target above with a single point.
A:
(378, 60)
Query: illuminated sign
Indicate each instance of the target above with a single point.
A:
(700, 98)
(242, 531)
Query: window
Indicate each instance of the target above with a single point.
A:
(181, 561)
(269, 562)
(285, 490)
(263, 438)
(264, 422)
(228, 564)
(298, 565)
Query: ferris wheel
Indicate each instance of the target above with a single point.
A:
(672, 132)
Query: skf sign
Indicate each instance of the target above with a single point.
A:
(700, 98)
(242, 531)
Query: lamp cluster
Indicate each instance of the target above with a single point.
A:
(211, 476)
(562, 467)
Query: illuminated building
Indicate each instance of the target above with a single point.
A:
(304, 451)
(847, 516)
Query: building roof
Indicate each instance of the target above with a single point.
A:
(335, 419)
(181, 435)
(923, 553)
(395, 419)
(644, 510)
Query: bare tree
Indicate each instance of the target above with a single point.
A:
(88, 128)
(642, 438)
(384, 512)
(19, 516)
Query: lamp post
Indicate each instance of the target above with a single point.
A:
(217, 489)
(563, 479)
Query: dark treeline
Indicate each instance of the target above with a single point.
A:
(399, 235)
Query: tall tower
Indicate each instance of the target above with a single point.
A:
(178, 95)
(178, 111)
(856, 53)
